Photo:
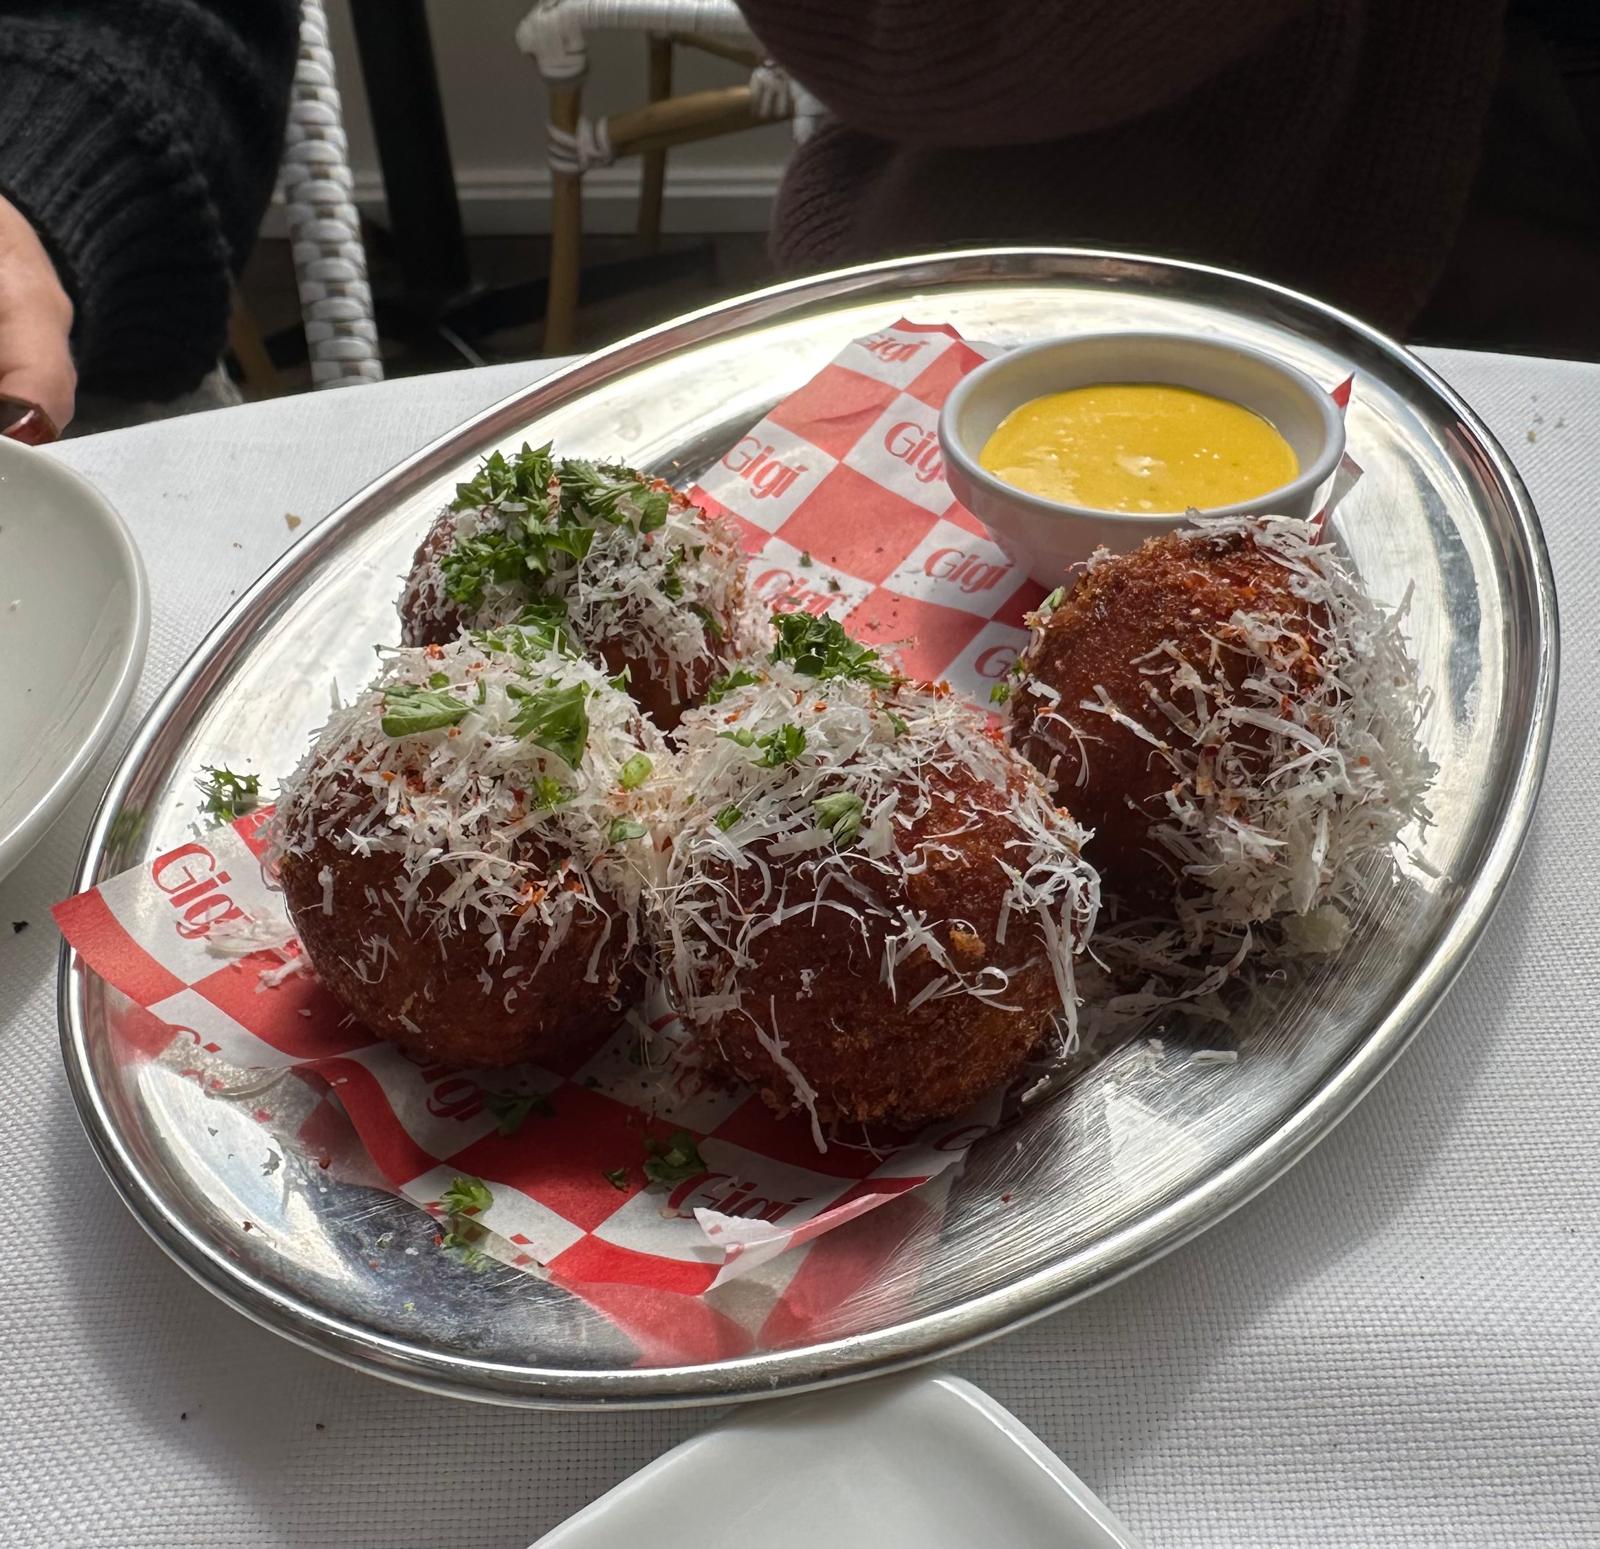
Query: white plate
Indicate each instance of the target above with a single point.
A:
(74, 616)
(910, 1463)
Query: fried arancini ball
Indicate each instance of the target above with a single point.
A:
(871, 907)
(627, 567)
(423, 987)
(465, 849)
(1228, 714)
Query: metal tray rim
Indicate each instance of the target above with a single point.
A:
(931, 1335)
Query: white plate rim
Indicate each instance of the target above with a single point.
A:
(26, 831)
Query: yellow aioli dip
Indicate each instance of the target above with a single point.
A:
(1138, 446)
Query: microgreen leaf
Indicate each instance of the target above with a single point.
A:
(1000, 693)
(623, 829)
(728, 817)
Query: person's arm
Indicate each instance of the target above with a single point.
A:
(1005, 72)
(139, 140)
(35, 323)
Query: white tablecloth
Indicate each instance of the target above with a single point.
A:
(1399, 1343)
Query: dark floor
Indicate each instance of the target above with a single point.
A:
(646, 288)
(626, 288)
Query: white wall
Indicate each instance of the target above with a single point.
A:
(494, 107)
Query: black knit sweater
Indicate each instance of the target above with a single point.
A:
(141, 139)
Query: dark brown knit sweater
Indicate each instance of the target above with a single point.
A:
(140, 139)
(1329, 144)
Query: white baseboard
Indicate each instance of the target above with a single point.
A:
(508, 203)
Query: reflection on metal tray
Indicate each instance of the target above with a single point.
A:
(1146, 1149)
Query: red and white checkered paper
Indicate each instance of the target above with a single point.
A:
(841, 496)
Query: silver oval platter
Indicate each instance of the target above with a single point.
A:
(1146, 1148)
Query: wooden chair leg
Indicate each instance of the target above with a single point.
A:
(566, 229)
(261, 378)
(653, 178)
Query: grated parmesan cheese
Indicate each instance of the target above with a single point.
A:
(457, 803)
(1288, 788)
(653, 590)
(878, 753)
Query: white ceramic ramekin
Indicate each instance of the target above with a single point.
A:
(1046, 535)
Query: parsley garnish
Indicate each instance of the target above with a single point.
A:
(549, 793)
(539, 630)
(840, 814)
(634, 772)
(623, 829)
(617, 1177)
(533, 530)
(780, 747)
(900, 727)
(1053, 601)
(462, 1243)
(228, 795)
(671, 1161)
(740, 677)
(671, 581)
(728, 817)
(609, 493)
(519, 480)
(467, 1197)
(409, 710)
(708, 622)
(1000, 693)
(555, 719)
(820, 648)
(513, 1108)
(474, 562)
